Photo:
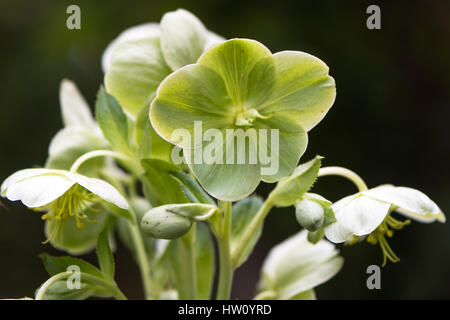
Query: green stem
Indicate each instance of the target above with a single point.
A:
(223, 243)
(114, 290)
(191, 265)
(141, 256)
(94, 154)
(250, 230)
(346, 173)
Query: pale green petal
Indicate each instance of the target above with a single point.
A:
(102, 189)
(74, 108)
(234, 60)
(295, 266)
(193, 93)
(303, 88)
(142, 31)
(183, 38)
(410, 202)
(40, 190)
(73, 239)
(137, 67)
(292, 143)
(227, 182)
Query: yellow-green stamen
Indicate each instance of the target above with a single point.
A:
(71, 204)
(386, 228)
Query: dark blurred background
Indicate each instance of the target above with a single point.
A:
(390, 121)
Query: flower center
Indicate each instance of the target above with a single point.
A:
(248, 117)
(386, 228)
(71, 204)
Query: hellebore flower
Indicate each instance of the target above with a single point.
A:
(294, 267)
(142, 56)
(368, 213)
(237, 90)
(61, 194)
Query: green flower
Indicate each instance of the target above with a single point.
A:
(142, 56)
(239, 85)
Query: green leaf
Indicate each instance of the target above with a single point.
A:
(192, 186)
(295, 266)
(183, 38)
(160, 186)
(104, 254)
(76, 240)
(60, 291)
(243, 213)
(290, 189)
(306, 295)
(136, 68)
(191, 211)
(55, 265)
(112, 121)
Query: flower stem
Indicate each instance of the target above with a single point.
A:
(346, 173)
(191, 265)
(141, 256)
(223, 244)
(250, 230)
(94, 154)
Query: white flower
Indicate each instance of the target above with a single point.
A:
(367, 213)
(294, 267)
(60, 193)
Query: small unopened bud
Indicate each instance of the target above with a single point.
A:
(310, 215)
(162, 224)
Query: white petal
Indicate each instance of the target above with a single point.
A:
(411, 202)
(213, 39)
(183, 38)
(147, 30)
(38, 191)
(295, 265)
(75, 110)
(21, 175)
(102, 189)
(76, 138)
(362, 214)
(337, 232)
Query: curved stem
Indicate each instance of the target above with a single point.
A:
(223, 244)
(94, 154)
(114, 290)
(47, 284)
(250, 230)
(346, 173)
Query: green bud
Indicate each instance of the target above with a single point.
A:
(310, 214)
(162, 224)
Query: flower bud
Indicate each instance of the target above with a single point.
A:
(310, 214)
(163, 224)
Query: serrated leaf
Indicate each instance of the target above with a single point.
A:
(113, 121)
(55, 265)
(290, 189)
(160, 186)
